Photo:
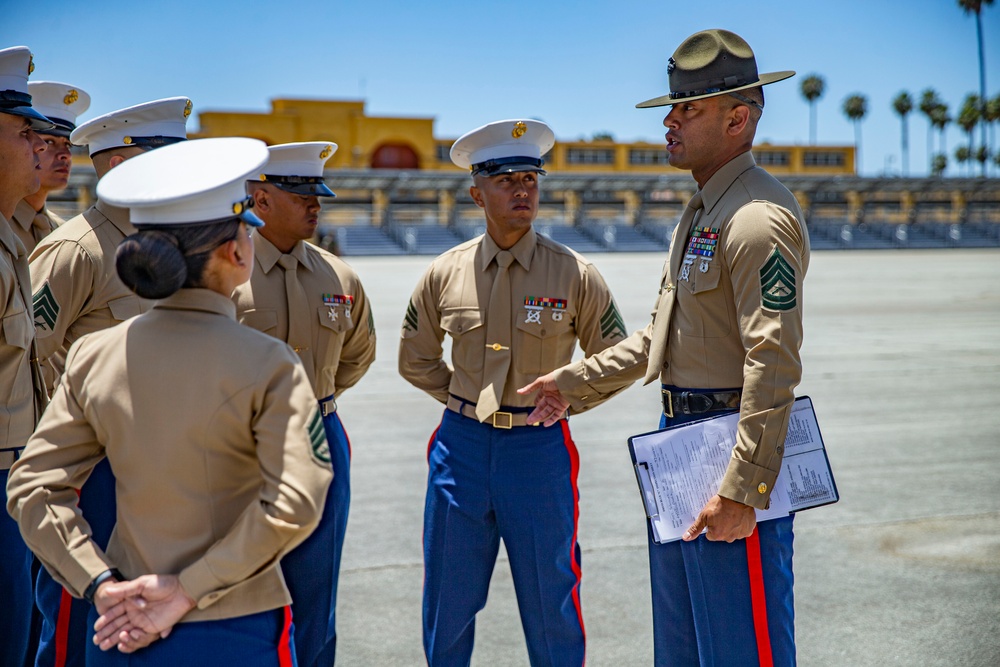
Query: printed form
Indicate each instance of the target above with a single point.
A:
(680, 468)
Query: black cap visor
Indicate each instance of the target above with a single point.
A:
(19, 104)
(508, 165)
(301, 185)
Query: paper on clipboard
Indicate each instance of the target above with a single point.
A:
(679, 469)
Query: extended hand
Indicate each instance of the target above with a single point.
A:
(725, 519)
(136, 613)
(550, 405)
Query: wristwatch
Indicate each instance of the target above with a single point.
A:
(113, 573)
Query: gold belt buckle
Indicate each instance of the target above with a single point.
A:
(668, 403)
(503, 415)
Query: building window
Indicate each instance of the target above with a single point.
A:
(647, 156)
(443, 153)
(822, 159)
(772, 158)
(590, 156)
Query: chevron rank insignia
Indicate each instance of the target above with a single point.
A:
(410, 321)
(46, 308)
(317, 439)
(777, 283)
(612, 324)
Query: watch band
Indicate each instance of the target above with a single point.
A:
(88, 594)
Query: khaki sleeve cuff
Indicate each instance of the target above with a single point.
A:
(748, 484)
(573, 386)
(199, 583)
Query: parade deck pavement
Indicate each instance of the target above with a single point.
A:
(902, 361)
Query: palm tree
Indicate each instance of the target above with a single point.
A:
(976, 7)
(991, 115)
(962, 155)
(939, 164)
(940, 118)
(903, 105)
(855, 108)
(982, 156)
(812, 89)
(968, 118)
(928, 102)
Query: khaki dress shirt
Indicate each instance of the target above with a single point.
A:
(75, 284)
(32, 226)
(733, 326)
(342, 330)
(217, 448)
(17, 413)
(569, 301)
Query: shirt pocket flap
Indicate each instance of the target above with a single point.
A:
(17, 330)
(336, 318)
(458, 321)
(702, 281)
(125, 307)
(261, 320)
(546, 325)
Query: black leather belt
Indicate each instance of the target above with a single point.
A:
(328, 406)
(695, 403)
(504, 419)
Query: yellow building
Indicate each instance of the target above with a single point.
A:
(368, 142)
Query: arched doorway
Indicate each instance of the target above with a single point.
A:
(395, 156)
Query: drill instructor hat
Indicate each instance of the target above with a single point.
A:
(711, 63)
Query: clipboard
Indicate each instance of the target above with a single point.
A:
(679, 468)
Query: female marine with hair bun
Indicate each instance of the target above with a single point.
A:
(211, 429)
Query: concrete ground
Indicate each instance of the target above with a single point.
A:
(902, 360)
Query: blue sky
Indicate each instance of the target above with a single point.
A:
(580, 66)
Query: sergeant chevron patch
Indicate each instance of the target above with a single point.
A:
(612, 324)
(46, 308)
(317, 438)
(410, 322)
(777, 283)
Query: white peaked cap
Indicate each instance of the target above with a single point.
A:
(504, 146)
(155, 123)
(191, 182)
(59, 102)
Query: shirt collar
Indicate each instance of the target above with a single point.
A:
(725, 177)
(24, 215)
(523, 250)
(267, 254)
(206, 300)
(9, 240)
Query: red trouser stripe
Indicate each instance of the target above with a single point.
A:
(758, 600)
(62, 627)
(430, 443)
(285, 643)
(574, 460)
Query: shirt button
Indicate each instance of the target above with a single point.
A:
(669, 287)
(762, 488)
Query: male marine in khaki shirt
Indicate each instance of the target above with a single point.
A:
(61, 103)
(725, 337)
(313, 301)
(77, 291)
(514, 304)
(21, 390)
